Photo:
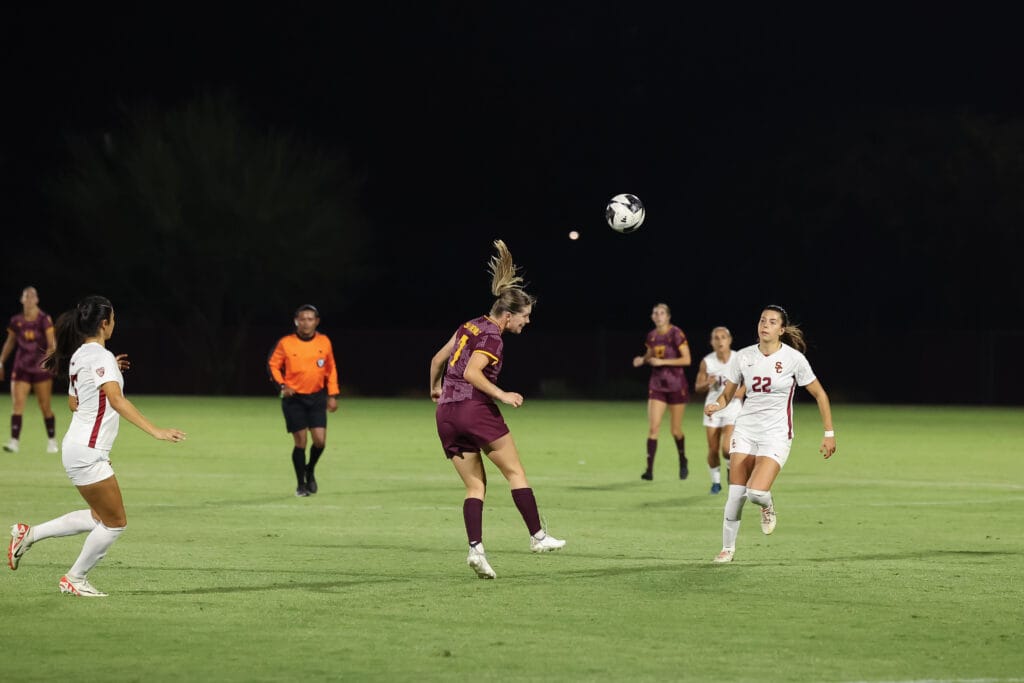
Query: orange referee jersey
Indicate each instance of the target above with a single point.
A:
(305, 366)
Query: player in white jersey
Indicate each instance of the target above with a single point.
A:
(718, 427)
(770, 372)
(97, 401)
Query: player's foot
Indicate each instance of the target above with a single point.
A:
(52, 447)
(647, 475)
(310, 481)
(11, 446)
(723, 557)
(542, 543)
(768, 519)
(715, 488)
(477, 560)
(684, 469)
(19, 545)
(302, 492)
(80, 587)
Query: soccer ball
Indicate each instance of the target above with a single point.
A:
(625, 213)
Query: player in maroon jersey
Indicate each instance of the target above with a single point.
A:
(667, 353)
(31, 331)
(462, 382)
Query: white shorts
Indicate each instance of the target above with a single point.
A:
(775, 448)
(85, 465)
(725, 416)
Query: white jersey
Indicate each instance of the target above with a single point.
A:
(770, 382)
(716, 368)
(95, 423)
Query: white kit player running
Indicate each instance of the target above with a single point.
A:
(97, 401)
(718, 427)
(770, 372)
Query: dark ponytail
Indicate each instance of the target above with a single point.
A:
(72, 328)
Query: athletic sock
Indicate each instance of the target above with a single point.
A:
(681, 447)
(733, 515)
(77, 522)
(473, 516)
(527, 505)
(652, 448)
(299, 463)
(314, 457)
(51, 426)
(97, 543)
(716, 475)
(15, 426)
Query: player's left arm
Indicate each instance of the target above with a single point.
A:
(828, 441)
(333, 388)
(5, 353)
(437, 364)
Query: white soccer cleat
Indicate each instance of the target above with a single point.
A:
(19, 545)
(477, 560)
(542, 543)
(11, 446)
(81, 588)
(768, 519)
(52, 447)
(723, 557)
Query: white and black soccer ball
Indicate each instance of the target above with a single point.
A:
(625, 213)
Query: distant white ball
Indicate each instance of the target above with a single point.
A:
(573, 235)
(625, 213)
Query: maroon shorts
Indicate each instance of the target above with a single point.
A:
(468, 426)
(30, 375)
(670, 397)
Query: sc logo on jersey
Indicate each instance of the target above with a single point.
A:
(319, 362)
(778, 367)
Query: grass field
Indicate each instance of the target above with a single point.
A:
(901, 559)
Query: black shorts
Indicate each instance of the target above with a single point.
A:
(304, 411)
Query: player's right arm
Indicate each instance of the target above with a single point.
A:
(727, 395)
(437, 364)
(5, 353)
(640, 360)
(128, 411)
(704, 380)
(474, 374)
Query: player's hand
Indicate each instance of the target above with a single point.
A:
(828, 446)
(712, 408)
(435, 395)
(122, 362)
(332, 404)
(287, 391)
(638, 361)
(172, 435)
(511, 398)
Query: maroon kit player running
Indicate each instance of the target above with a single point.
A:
(462, 382)
(31, 331)
(667, 353)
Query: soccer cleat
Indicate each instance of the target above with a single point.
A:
(19, 545)
(723, 557)
(302, 492)
(647, 476)
(11, 446)
(544, 543)
(715, 488)
(52, 447)
(81, 588)
(477, 560)
(310, 482)
(684, 469)
(768, 519)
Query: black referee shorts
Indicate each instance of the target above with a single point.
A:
(304, 411)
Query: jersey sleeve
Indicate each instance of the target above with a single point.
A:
(490, 345)
(105, 370)
(680, 338)
(332, 371)
(803, 373)
(276, 362)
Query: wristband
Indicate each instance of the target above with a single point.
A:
(829, 434)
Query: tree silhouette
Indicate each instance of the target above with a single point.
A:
(203, 223)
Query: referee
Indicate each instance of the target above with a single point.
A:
(302, 365)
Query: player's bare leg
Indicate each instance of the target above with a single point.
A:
(655, 413)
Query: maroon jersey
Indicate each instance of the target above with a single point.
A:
(480, 335)
(31, 339)
(667, 377)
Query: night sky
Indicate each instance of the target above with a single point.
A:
(830, 162)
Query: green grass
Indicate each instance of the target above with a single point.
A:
(902, 558)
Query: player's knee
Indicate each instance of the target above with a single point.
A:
(762, 498)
